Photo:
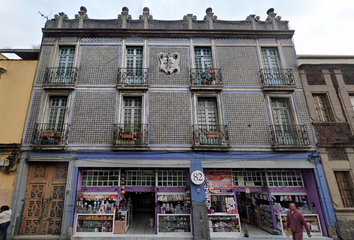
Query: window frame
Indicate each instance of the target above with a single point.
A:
(55, 59)
(46, 105)
(317, 106)
(349, 180)
(292, 107)
(124, 51)
(211, 55)
(220, 110)
(120, 110)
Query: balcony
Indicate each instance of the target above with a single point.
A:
(210, 137)
(60, 77)
(130, 137)
(206, 79)
(289, 138)
(133, 78)
(277, 79)
(50, 136)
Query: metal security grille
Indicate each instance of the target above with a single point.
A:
(100, 178)
(285, 178)
(176, 178)
(139, 178)
(257, 177)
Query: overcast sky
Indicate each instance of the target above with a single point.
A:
(321, 26)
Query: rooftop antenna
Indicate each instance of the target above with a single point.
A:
(45, 16)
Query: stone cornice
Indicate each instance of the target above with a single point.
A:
(166, 33)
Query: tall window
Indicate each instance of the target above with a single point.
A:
(203, 58)
(56, 115)
(345, 186)
(132, 110)
(321, 107)
(208, 122)
(283, 125)
(272, 66)
(134, 74)
(65, 64)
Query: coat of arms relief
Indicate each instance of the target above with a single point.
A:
(169, 63)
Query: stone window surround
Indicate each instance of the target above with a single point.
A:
(195, 97)
(120, 110)
(293, 108)
(278, 46)
(328, 107)
(57, 45)
(43, 117)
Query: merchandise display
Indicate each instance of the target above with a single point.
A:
(173, 223)
(94, 223)
(173, 204)
(224, 223)
(266, 218)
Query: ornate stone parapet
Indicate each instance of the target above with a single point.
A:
(146, 17)
(210, 17)
(124, 16)
(60, 17)
(81, 16)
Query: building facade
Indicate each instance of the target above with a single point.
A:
(16, 80)
(183, 123)
(328, 85)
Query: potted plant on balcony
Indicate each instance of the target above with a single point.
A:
(128, 131)
(139, 134)
(57, 137)
(203, 75)
(212, 134)
(48, 133)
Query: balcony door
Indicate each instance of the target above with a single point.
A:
(134, 71)
(272, 66)
(284, 129)
(208, 122)
(56, 114)
(65, 64)
(203, 62)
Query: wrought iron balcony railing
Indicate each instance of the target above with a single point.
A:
(210, 135)
(289, 135)
(274, 77)
(50, 134)
(133, 76)
(130, 135)
(60, 76)
(206, 77)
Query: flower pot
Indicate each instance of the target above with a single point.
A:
(127, 135)
(246, 235)
(139, 135)
(57, 135)
(212, 135)
(47, 134)
(203, 82)
(211, 71)
(57, 139)
(208, 82)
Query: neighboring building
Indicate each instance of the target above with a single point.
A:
(16, 80)
(141, 110)
(328, 82)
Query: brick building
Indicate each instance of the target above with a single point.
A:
(165, 122)
(328, 85)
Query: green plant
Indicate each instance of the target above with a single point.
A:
(211, 132)
(245, 230)
(128, 128)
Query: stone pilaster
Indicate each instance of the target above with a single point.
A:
(210, 17)
(60, 17)
(190, 18)
(81, 16)
(124, 16)
(146, 17)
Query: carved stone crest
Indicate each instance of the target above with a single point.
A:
(169, 62)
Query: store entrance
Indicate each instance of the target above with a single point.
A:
(255, 213)
(143, 212)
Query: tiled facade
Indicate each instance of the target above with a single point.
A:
(332, 78)
(169, 103)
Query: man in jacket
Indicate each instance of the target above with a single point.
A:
(5, 216)
(296, 222)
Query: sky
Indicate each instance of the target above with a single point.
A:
(323, 27)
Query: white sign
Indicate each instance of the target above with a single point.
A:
(197, 177)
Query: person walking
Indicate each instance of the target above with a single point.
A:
(5, 216)
(296, 222)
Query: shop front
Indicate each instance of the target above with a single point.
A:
(132, 201)
(258, 200)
